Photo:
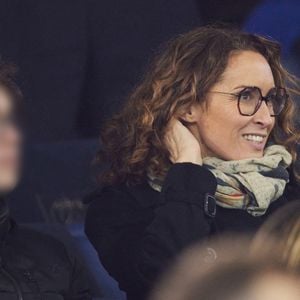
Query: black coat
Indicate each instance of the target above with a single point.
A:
(36, 266)
(137, 230)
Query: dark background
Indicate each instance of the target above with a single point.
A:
(78, 61)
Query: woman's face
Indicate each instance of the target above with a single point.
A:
(221, 128)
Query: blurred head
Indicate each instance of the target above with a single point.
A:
(228, 277)
(197, 78)
(274, 285)
(10, 137)
(281, 232)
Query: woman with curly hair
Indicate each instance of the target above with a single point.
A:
(205, 144)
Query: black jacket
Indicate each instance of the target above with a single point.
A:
(137, 230)
(36, 266)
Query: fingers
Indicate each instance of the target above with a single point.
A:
(175, 137)
(170, 138)
(181, 143)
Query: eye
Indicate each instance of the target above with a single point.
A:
(246, 95)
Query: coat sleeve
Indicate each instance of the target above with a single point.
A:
(134, 249)
(79, 288)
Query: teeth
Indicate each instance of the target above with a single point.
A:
(255, 138)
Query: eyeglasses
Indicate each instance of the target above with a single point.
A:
(251, 98)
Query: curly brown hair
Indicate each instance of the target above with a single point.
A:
(181, 75)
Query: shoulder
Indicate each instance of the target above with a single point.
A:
(41, 243)
(31, 234)
(180, 176)
(107, 195)
(118, 205)
(121, 195)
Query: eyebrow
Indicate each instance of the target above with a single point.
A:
(244, 86)
(253, 86)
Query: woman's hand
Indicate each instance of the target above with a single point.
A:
(182, 144)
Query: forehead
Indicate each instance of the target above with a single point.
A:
(5, 102)
(248, 68)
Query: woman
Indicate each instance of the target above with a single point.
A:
(281, 231)
(206, 144)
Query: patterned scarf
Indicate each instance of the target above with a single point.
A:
(250, 184)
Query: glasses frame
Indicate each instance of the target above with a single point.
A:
(261, 99)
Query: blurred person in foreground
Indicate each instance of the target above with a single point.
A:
(281, 234)
(221, 272)
(32, 265)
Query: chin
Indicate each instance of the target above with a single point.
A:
(253, 155)
(249, 155)
(241, 153)
(239, 156)
(7, 185)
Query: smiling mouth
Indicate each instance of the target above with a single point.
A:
(255, 138)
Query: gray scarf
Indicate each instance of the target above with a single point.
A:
(250, 184)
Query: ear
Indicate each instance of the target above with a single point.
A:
(192, 113)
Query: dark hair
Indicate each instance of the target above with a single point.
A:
(8, 73)
(180, 75)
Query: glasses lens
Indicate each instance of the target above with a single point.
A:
(276, 99)
(249, 99)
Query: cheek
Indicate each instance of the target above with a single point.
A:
(221, 135)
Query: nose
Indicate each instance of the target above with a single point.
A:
(263, 116)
